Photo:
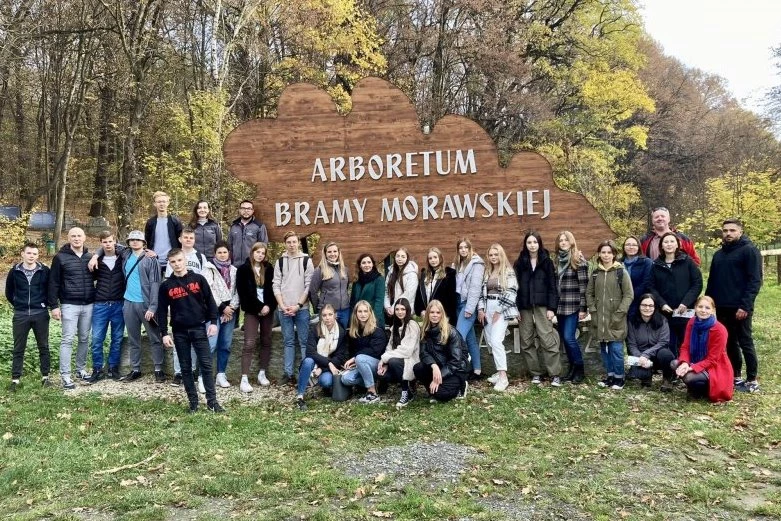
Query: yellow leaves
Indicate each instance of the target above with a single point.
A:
(7, 436)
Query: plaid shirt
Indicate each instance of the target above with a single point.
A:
(506, 298)
(572, 290)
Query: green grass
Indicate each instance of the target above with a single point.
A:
(577, 452)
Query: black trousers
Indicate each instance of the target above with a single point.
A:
(22, 324)
(449, 387)
(395, 373)
(661, 362)
(739, 340)
(196, 338)
(697, 384)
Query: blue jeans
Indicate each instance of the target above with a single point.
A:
(343, 317)
(292, 326)
(613, 357)
(325, 380)
(221, 343)
(103, 314)
(466, 326)
(363, 373)
(568, 326)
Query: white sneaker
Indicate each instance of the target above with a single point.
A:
(493, 378)
(222, 381)
(244, 386)
(262, 380)
(201, 388)
(502, 384)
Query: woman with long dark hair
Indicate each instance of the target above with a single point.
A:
(537, 302)
(402, 352)
(369, 286)
(703, 363)
(648, 340)
(207, 231)
(401, 280)
(676, 281)
(256, 297)
(437, 282)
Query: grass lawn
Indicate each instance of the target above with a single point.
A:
(533, 453)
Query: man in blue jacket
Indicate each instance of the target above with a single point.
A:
(27, 290)
(734, 282)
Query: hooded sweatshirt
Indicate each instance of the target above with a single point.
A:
(292, 278)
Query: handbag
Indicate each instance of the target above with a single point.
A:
(340, 392)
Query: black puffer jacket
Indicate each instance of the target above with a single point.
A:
(372, 345)
(537, 287)
(681, 283)
(70, 280)
(451, 358)
(110, 284)
(246, 287)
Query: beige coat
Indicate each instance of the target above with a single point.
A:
(409, 350)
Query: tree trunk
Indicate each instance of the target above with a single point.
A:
(100, 186)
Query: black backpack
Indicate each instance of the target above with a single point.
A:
(281, 268)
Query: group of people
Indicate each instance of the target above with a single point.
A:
(187, 286)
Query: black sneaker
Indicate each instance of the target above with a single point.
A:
(193, 408)
(132, 376)
(618, 384)
(97, 375)
(45, 382)
(370, 398)
(301, 404)
(406, 398)
(67, 383)
(606, 382)
(177, 381)
(83, 375)
(215, 408)
(113, 373)
(463, 391)
(159, 377)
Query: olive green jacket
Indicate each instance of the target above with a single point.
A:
(608, 301)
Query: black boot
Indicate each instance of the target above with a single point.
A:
(568, 377)
(578, 374)
(97, 375)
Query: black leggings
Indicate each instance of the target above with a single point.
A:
(698, 384)
(395, 373)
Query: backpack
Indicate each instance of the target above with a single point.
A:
(281, 268)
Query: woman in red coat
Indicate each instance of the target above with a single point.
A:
(703, 363)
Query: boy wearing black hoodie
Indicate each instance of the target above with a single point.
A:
(190, 300)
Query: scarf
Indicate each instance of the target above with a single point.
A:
(224, 269)
(366, 278)
(698, 345)
(564, 261)
(328, 342)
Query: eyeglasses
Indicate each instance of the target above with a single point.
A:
(647, 306)
(246, 208)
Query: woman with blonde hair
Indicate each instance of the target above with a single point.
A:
(437, 282)
(256, 298)
(329, 284)
(496, 307)
(443, 357)
(572, 274)
(326, 351)
(366, 344)
(469, 283)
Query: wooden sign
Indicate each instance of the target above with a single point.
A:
(373, 181)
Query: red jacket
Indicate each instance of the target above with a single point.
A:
(687, 245)
(715, 362)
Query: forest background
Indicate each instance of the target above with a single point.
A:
(103, 102)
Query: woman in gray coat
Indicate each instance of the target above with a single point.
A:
(329, 284)
(648, 340)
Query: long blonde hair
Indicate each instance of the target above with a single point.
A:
(325, 267)
(440, 271)
(322, 331)
(444, 324)
(503, 268)
(460, 263)
(260, 274)
(355, 324)
(574, 252)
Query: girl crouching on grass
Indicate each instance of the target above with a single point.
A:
(366, 343)
(326, 351)
(402, 352)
